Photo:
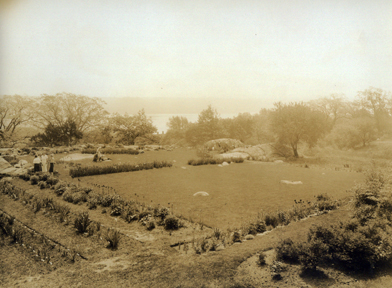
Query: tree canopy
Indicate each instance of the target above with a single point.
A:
(15, 111)
(297, 122)
(128, 127)
(86, 112)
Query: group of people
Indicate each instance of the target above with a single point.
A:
(41, 163)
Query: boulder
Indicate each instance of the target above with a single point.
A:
(201, 193)
(224, 144)
(220, 248)
(291, 182)
(234, 155)
(6, 179)
(225, 164)
(8, 171)
(4, 164)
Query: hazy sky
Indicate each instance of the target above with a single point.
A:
(277, 50)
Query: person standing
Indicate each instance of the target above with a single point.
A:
(51, 164)
(44, 160)
(37, 163)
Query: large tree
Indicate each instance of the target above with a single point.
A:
(334, 107)
(86, 112)
(296, 122)
(208, 123)
(15, 111)
(64, 134)
(128, 127)
(379, 104)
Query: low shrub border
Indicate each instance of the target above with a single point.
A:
(111, 151)
(207, 161)
(116, 168)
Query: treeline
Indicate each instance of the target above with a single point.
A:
(66, 118)
(334, 119)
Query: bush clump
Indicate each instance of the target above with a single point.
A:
(113, 238)
(34, 180)
(82, 221)
(171, 223)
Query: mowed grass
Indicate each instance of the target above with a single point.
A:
(237, 192)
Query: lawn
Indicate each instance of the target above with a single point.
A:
(237, 192)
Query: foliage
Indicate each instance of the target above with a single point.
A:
(379, 104)
(171, 223)
(82, 221)
(128, 128)
(116, 168)
(63, 134)
(15, 111)
(111, 151)
(359, 244)
(113, 237)
(34, 180)
(55, 111)
(214, 161)
(354, 132)
(297, 122)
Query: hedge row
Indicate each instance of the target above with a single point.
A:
(117, 168)
(111, 151)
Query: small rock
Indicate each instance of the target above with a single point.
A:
(249, 237)
(220, 248)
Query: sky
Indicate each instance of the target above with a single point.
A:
(275, 50)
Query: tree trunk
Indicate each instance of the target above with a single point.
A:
(295, 151)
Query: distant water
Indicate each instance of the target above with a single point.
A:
(160, 120)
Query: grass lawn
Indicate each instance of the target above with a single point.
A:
(237, 192)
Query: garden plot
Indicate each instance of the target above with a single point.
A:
(236, 193)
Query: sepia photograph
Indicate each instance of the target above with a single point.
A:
(205, 143)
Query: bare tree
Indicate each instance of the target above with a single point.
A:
(379, 104)
(55, 110)
(14, 111)
(334, 107)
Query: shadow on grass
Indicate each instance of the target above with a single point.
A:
(316, 278)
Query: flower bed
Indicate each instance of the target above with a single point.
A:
(118, 168)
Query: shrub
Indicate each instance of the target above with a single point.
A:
(116, 209)
(79, 196)
(44, 177)
(52, 181)
(286, 250)
(271, 220)
(60, 188)
(129, 213)
(82, 221)
(25, 177)
(236, 236)
(67, 195)
(171, 223)
(150, 224)
(261, 261)
(107, 200)
(34, 180)
(143, 214)
(42, 185)
(161, 212)
(92, 203)
(113, 237)
(325, 203)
